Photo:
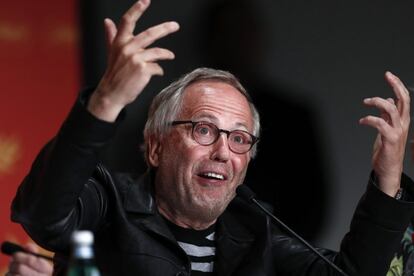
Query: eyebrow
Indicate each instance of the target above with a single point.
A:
(213, 119)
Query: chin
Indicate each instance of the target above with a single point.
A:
(208, 209)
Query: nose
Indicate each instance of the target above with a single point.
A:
(221, 150)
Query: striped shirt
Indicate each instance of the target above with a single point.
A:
(199, 246)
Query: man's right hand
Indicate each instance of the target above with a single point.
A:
(130, 63)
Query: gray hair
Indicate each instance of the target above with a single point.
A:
(167, 105)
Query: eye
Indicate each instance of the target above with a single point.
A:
(203, 130)
(240, 138)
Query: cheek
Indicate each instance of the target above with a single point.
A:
(187, 147)
(240, 166)
(241, 163)
(180, 154)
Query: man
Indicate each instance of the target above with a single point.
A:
(181, 217)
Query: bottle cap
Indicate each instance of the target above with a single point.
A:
(83, 237)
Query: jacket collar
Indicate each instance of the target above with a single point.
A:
(235, 230)
(139, 204)
(139, 196)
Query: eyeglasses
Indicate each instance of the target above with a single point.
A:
(206, 133)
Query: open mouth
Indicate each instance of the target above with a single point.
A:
(212, 175)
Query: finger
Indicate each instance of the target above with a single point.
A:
(23, 269)
(147, 37)
(147, 69)
(129, 19)
(21, 258)
(155, 69)
(155, 54)
(39, 264)
(401, 92)
(391, 100)
(388, 110)
(381, 125)
(29, 261)
(110, 32)
(384, 115)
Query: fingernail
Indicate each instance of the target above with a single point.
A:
(174, 25)
(389, 74)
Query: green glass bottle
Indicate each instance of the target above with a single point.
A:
(82, 261)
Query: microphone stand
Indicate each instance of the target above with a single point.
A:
(248, 195)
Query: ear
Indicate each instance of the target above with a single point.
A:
(154, 151)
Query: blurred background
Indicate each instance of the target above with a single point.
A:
(307, 64)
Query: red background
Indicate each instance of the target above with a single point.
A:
(39, 80)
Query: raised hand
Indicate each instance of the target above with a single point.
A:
(131, 64)
(392, 126)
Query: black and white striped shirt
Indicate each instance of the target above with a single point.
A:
(199, 246)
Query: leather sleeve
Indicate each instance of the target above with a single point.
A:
(377, 227)
(50, 202)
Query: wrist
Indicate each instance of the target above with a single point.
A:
(390, 185)
(103, 108)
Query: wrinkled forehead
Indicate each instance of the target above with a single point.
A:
(214, 98)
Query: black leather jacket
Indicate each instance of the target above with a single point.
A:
(68, 189)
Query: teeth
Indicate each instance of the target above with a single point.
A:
(215, 175)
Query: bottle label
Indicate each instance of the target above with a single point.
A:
(83, 252)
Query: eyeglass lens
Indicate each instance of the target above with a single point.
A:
(206, 134)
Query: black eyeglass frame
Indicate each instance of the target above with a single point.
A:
(219, 130)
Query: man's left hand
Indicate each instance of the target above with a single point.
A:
(392, 126)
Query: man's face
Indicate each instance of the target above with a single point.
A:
(193, 181)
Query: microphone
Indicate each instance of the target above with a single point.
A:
(10, 248)
(245, 193)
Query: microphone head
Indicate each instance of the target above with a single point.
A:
(245, 193)
(9, 248)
